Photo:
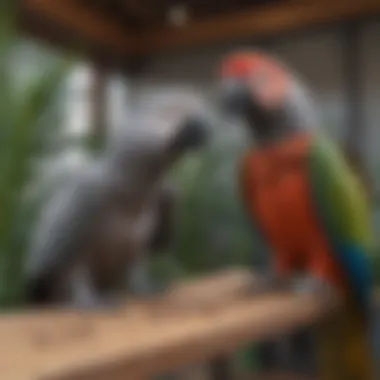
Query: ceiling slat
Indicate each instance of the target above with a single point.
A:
(85, 22)
(257, 21)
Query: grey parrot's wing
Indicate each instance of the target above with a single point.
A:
(65, 223)
(165, 219)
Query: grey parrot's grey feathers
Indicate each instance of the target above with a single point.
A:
(165, 217)
(64, 221)
(100, 228)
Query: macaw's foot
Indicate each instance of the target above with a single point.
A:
(307, 284)
(321, 289)
(268, 283)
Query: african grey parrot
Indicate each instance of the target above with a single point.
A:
(95, 233)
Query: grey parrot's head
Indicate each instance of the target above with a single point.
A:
(191, 134)
(150, 146)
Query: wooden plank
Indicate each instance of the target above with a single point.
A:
(62, 38)
(222, 286)
(356, 131)
(145, 338)
(85, 22)
(99, 105)
(352, 70)
(259, 22)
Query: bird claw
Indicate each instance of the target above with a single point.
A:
(100, 304)
(151, 294)
(268, 283)
(312, 285)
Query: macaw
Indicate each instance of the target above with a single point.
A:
(96, 232)
(303, 197)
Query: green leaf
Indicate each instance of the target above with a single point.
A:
(25, 120)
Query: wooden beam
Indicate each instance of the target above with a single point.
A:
(351, 50)
(258, 21)
(146, 339)
(61, 38)
(355, 121)
(263, 21)
(85, 22)
(99, 105)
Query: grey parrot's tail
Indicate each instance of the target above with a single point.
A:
(38, 291)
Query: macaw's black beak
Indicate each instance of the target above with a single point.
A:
(240, 100)
(193, 133)
(235, 97)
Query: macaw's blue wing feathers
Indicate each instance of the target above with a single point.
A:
(358, 269)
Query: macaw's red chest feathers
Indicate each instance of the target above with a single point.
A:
(276, 192)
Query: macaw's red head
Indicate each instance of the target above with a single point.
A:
(255, 86)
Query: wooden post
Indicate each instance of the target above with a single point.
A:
(354, 101)
(351, 70)
(98, 105)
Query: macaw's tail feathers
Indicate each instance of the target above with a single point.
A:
(345, 347)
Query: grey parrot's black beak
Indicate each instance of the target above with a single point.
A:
(192, 134)
(235, 97)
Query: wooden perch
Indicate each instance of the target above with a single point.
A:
(145, 339)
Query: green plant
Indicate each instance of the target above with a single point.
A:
(211, 230)
(24, 135)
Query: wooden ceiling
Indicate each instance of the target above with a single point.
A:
(135, 28)
(143, 14)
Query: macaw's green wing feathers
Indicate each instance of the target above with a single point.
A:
(340, 197)
(343, 211)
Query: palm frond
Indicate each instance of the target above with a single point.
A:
(25, 124)
(7, 36)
